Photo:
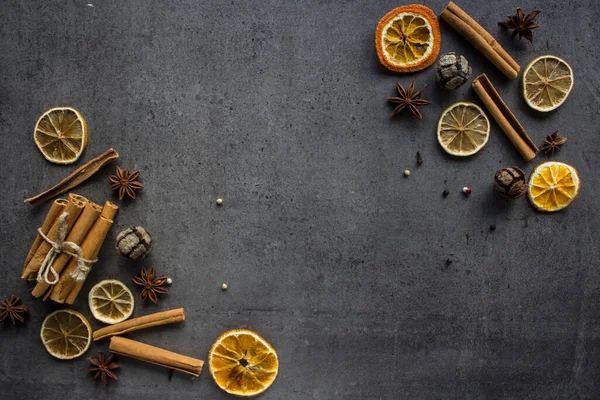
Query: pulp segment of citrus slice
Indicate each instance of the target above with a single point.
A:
(407, 38)
(463, 129)
(547, 81)
(61, 135)
(242, 363)
(553, 186)
(111, 301)
(66, 334)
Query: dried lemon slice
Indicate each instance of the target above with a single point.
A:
(66, 334)
(407, 38)
(61, 135)
(463, 129)
(242, 363)
(111, 301)
(553, 186)
(547, 81)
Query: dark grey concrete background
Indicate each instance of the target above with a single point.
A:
(279, 107)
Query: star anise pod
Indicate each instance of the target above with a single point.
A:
(125, 182)
(408, 99)
(11, 308)
(103, 366)
(151, 283)
(553, 142)
(523, 25)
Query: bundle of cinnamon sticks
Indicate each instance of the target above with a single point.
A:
(66, 247)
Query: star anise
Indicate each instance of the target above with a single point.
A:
(11, 308)
(125, 182)
(151, 283)
(523, 25)
(408, 99)
(103, 365)
(553, 142)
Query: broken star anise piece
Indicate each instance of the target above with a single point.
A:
(151, 283)
(124, 181)
(523, 25)
(103, 365)
(553, 142)
(408, 98)
(11, 308)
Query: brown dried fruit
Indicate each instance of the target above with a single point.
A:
(511, 182)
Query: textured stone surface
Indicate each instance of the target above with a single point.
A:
(329, 252)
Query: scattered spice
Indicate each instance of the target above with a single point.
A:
(553, 142)
(13, 309)
(523, 25)
(509, 124)
(219, 201)
(492, 228)
(224, 286)
(134, 243)
(511, 182)
(445, 193)
(103, 367)
(77, 177)
(151, 283)
(169, 281)
(408, 99)
(419, 159)
(407, 172)
(125, 182)
(467, 191)
(448, 262)
(481, 39)
(452, 71)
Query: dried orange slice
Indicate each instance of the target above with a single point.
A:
(61, 135)
(407, 38)
(111, 301)
(553, 186)
(547, 81)
(463, 129)
(242, 363)
(66, 334)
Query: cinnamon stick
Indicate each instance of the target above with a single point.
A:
(73, 209)
(67, 288)
(77, 177)
(509, 124)
(56, 209)
(136, 324)
(480, 39)
(155, 355)
(88, 216)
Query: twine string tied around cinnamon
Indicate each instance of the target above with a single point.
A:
(62, 246)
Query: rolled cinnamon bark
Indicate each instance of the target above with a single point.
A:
(73, 209)
(88, 216)
(77, 177)
(58, 206)
(481, 39)
(67, 288)
(136, 324)
(155, 355)
(507, 121)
